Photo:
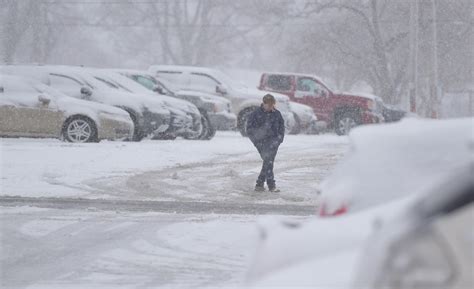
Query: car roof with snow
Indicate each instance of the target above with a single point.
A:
(181, 68)
(388, 160)
(294, 74)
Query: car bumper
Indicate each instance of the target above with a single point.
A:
(155, 123)
(185, 125)
(223, 120)
(112, 129)
(290, 121)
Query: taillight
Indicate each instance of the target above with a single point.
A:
(323, 211)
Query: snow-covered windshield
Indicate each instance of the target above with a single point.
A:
(227, 80)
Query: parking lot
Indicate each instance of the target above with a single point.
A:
(152, 213)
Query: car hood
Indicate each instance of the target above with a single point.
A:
(207, 97)
(72, 106)
(253, 92)
(361, 95)
(132, 100)
(178, 104)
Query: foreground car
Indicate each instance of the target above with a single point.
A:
(244, 100)
(29, 108)
(429, 245)
(331, 252)
(411, 153)
(216, 111)
(149, 115)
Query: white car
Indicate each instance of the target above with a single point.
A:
(305, 119)
(244, 100)
(185, 116)
(428, 245)
(29, 108)
(410, 153)
(149, 114)
(389, 168)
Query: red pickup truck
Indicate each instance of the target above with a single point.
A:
(340, 111)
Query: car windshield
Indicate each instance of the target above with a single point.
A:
(111, 84)
(168, 87)
(42, 88)
(226, 79)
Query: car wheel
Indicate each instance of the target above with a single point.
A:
(345, 123)
(296, 129)
(242, 121)
(138, 134)
(80, 130)
(208, 129)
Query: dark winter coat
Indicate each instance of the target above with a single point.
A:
(266, 129)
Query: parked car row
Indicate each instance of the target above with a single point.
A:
(166, 101)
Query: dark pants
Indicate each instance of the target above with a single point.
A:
(268, 155)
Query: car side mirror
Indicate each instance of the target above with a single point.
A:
(324, 93)
(44, 100)
(221, 89)
(158, 89)
(86, 92)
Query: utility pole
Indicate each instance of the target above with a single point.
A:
(434, 79)
(414, 34)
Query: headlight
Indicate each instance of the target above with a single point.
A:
(420, 261)
(371, 105)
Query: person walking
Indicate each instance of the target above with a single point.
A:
(266, 130)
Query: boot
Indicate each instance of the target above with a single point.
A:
(259, 188)
(272, 188)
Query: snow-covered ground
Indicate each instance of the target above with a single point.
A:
(170, 214)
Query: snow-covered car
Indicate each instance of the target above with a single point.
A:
(149, 114)
(185, 116)
(244, 99)
(428, 245)
(29, 108)
(305, 119)
(392, 159)
(320, 253)
(216, 111)
(340, 252)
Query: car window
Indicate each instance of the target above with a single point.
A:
(311, 86)
(173, 76)
(279, 82)
(145, 81)
(203, 82)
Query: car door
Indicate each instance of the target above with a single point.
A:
(313, 94)
(30, 112)
(202, 82)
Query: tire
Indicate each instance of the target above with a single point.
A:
(297, 127)
(242, 120)
(138, 134)
(345, 122)
(80, 129)
(209, 131)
